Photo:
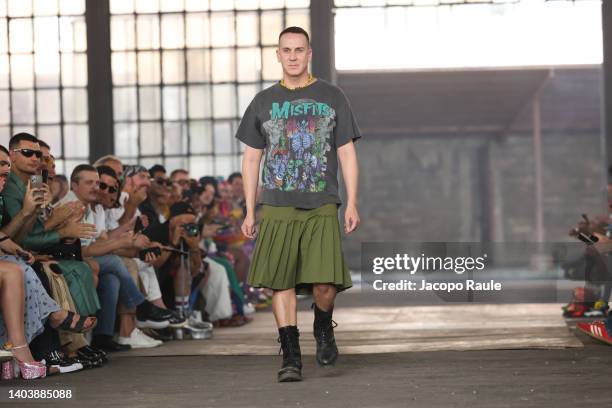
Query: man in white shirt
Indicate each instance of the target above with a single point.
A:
(115, 284)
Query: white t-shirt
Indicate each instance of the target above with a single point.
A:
(114, 214)
(94, 216)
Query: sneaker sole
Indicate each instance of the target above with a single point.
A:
(150, 324)
(291, 376)
(144, 346)
(68, 369)
(609, 342)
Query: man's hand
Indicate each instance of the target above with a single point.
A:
(9, 247)
(47, 196)
(351, 219)
(32, 201)
(141, 241)
(249, 229)
(62, 213)
(74, 229)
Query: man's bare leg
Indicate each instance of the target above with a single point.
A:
(284, 307)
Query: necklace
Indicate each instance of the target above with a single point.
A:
(309, 81)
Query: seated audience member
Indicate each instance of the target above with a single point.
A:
(157, 205)
(180, 178)
(114, 163)
(115, 282)
(40, 307)
(157, 171)
(176, 283)
(52, 235)
(134, 192)
(108, 198)
(59, 188)
(235, 181)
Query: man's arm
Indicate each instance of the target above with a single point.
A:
(36, 238)
(350, 172)
(251, 161)
(105, 246)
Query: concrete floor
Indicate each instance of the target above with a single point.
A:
(499, 378)
(505, 378)
(571, 377)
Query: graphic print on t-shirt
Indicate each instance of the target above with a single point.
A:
(299, 139)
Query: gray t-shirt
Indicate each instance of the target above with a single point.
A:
(300, 131)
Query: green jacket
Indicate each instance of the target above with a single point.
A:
(77, 274)
(14, 192)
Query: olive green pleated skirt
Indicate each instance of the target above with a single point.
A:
(298, 247)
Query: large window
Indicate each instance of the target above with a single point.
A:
(421, 34)
(43, 75)
(185, 71)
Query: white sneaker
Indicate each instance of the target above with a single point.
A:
(139, 340)
(248, 308)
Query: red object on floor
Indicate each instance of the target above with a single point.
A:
(597, 330)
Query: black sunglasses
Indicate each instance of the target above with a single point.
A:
(111, 189)
(162, 181)
(30, 152)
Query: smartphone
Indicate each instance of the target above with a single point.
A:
(139, 226)
(587, 239)
(155, 250)
(36, 181)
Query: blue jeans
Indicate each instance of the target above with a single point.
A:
(115, 285)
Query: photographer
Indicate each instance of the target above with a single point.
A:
(178, 233)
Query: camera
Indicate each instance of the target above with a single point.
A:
(192, 229)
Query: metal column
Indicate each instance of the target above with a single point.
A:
(99, 79)
(322, 39)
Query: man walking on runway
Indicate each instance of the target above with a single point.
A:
(304, 126)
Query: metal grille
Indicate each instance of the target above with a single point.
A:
(43, 75)
(185, 71)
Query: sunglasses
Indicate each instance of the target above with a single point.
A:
(30, 152)
(5, 163)
(162, 181)
(111, 189)
(182, 182)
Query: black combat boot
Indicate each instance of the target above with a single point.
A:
(323, 328)
(291, 370)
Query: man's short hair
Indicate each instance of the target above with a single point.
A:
(233, 176)
(61, 178)
(74, 177)
(156, 168)
(21, 137)
(105, 159)
(108, 171)
(130, 170)
(43, 144)
(4, 149)
(178, 171)
(295, 30)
